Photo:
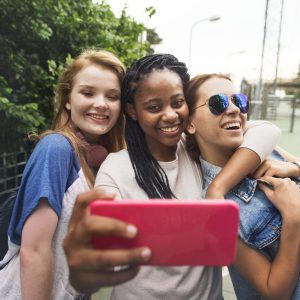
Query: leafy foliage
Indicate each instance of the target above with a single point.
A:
(37, 37)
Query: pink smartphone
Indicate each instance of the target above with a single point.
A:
(179, 233)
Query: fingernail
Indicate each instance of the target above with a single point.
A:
(131, 230)
(146, 253)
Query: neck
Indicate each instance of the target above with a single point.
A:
(168, 155)
(215, 155)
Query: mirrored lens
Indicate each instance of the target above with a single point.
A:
(218, 104)
(241, 101)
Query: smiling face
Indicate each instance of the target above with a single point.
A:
(94, 101)
(217, 136)
(161, 111)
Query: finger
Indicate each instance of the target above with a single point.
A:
(261, 170)
(99, 260)
(84, 199)
(90, 282)
(274, 180)
(271, 171)
(268, 192)
(104, 226)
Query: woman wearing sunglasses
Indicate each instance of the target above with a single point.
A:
(268, 252)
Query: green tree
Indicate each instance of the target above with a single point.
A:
(37, 37)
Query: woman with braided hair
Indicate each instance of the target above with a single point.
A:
(157, 165)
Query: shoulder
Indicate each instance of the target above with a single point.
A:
(116, 171)
(55, 145)
(117, 165)
(116, 159)
(53, 148)
(55, 142)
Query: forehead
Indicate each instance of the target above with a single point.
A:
(160, 79)
(214, 86)
(96, 75)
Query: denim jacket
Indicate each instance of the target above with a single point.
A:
(260, 224)
(260, 221)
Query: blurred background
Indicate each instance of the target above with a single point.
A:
(255, 42)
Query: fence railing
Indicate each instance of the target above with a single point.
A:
(11, 169)
(284, 112)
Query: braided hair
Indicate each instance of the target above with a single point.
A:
(148, 173)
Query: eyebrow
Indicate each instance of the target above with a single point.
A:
(86, 86)
(159, 99)
(94, 88)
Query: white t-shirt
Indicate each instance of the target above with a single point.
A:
(116, 174)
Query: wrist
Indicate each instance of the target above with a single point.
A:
(215, 190)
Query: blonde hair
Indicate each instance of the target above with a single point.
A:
(191, 99)
(114, 139)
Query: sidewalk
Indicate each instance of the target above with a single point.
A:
(228, 291)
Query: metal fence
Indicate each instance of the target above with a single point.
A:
(284, 112)
(11, 169)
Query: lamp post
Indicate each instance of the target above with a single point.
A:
(210, 19)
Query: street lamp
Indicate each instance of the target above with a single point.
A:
(210, 19)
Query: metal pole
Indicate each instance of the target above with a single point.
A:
(278, 48)
(259, 86)
(293, 115)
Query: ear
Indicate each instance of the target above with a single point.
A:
(131, 111)
(191, 129)
(68, 106)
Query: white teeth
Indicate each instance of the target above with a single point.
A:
(169, 129)
(232, 125)
(99, 117)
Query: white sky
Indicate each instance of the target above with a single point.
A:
(233, 44)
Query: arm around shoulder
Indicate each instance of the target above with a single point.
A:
(261, 137)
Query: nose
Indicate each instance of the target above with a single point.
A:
(100, 102)
(170, 115)
(232, 108)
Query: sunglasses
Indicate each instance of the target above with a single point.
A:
(218, 104)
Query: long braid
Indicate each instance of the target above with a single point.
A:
(148, 173)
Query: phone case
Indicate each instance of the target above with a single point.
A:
(202, 232)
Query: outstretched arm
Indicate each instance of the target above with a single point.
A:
(260, 139)
(276, 279)
(90, 268)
